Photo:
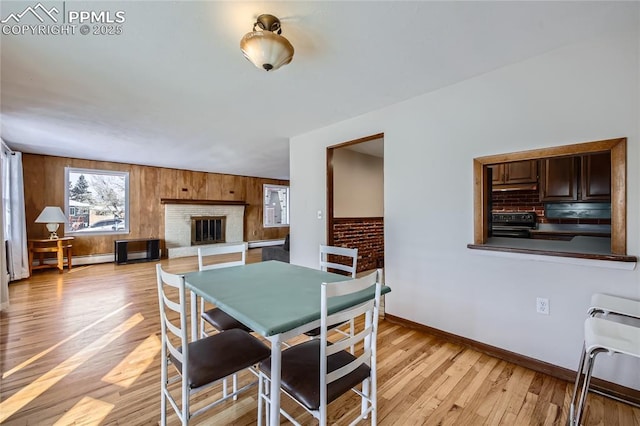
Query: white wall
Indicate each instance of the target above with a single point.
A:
(358, 189)
(583, 92)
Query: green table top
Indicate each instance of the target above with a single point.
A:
(270, 297)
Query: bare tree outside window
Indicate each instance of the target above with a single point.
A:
(96, 201)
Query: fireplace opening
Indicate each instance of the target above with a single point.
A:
(207, 230)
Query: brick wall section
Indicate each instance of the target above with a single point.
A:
(365, 234)
(529, 201)
(518, 201)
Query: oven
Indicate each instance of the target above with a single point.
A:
(513, 224)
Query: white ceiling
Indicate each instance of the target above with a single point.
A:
(174, 90)
(374, 147)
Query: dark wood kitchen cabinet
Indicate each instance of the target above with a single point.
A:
(513, 173)
(579, 178)
(596, 177)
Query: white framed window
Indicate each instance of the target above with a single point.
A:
(96, 201)
(275, 206)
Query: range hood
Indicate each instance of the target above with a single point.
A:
(515, 187)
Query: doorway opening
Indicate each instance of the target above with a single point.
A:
(355, 199)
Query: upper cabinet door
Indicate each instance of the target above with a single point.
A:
(596, 177)
(521, 172)
(559, 179)
(580, 178)
(513, 175)
(497, 174)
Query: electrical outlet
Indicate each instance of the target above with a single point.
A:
(542, 305)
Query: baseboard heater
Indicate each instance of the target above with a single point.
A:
(95, 259)
(265, 243)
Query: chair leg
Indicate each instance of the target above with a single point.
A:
(351, 334)
(261, 387)
(366, 390)
(590, 360)
(373, 397)
(263, 398)
(163, 408)
(235, 387)
(225, 392)
(576, 385)
(163, 385)
(185, 403)
(260, 399)
(203, 334)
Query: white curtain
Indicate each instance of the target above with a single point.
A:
(15, 227)
(4, 271)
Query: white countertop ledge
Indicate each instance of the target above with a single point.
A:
(609, 264)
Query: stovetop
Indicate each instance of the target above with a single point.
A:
(519, 219)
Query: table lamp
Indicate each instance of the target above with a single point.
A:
(53, 217)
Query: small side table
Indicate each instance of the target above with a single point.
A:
(58, 246)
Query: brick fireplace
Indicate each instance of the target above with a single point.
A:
(179, 219)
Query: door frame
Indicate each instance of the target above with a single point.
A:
(330, 149)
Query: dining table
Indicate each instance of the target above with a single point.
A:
(277, 300)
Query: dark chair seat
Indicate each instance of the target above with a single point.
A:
(223, 321)
(221, 355)
(301, 373)
(316, 331)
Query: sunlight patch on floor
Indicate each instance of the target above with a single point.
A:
(32, 391)
(73, 336)
(88, 411)
(134, 364)
(59, 287)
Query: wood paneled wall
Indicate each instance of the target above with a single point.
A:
(44, 186)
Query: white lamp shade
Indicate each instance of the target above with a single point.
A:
(51, 214)
(266, 50)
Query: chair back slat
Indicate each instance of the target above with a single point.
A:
(349, 313)
(327, 263)
(217, 250)
(175, 352)
(176, 331)
(172, 280)
(348, 368)
(347, 342)
(170, 304)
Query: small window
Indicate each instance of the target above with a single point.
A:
(96, 201)
(276, 206)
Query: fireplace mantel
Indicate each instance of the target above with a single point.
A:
(203, 202)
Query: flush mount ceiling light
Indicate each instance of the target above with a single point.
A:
(264, 46)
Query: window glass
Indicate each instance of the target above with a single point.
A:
(276, 206)
(96, 201)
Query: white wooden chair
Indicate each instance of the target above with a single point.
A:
(219, 319)
(326, 262)
(216, 317)
(315, 373)
(350, 267)
(201, 363)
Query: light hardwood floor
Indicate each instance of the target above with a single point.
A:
(82, 348)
